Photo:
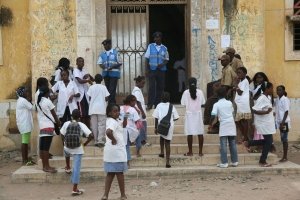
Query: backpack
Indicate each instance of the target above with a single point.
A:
(52, 79)
(72, 136)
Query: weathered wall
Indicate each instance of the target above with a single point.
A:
(281, 71)
(16, 68)
(245, 25)
(277, 68)
(53, 35)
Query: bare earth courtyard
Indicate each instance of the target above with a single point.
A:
(246, 187)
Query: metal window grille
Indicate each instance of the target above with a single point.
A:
(296, 28)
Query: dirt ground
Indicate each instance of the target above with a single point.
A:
(246, 187)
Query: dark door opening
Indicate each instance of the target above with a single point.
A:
(170, 20)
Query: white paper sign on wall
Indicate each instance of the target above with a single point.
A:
(225, 41)
(212, 24)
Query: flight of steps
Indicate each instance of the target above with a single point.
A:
(150, 165)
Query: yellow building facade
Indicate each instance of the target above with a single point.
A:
(44, 31)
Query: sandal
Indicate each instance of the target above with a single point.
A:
(168, 166)
(67, 170)
(161, 155)
(265, 165)
(188, 154)
(104, 198)
(283, 160)
(78, 192)
(30, 163)
(246, 145)
(51, 170)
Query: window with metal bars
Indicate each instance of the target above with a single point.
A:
(296, 36)
(296, 40)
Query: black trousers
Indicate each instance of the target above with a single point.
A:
(156, 86)
(111, 85)
(266, 143)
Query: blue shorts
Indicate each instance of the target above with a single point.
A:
(284, 136)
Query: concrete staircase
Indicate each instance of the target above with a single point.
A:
(150, 165)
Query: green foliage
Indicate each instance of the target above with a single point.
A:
(6, 16)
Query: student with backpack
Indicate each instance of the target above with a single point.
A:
(71, 133)
(98, 96)
(66, 102)
(161, 111)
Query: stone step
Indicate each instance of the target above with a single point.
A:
(30, 174)
(155, 161)
(180, 138)
(175, 149)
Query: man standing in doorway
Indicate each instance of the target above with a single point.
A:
(157, 57)
(110, 63)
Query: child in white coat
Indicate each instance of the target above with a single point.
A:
(159, 113)
(223, 109)
(24, 119)
(193, 99)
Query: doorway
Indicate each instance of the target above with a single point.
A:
(170, 20)
(131, 25)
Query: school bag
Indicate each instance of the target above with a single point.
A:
(164, 124)
(72, 136)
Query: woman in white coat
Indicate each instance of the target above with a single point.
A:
(193, 99)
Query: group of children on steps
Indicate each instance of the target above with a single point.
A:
(116, 128)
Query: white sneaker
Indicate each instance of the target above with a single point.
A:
(235, 164)
(222, 165)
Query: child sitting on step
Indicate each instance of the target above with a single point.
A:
(71, 133)
(223, 109)
(159, 113)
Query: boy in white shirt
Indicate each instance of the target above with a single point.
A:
(82, 80)
(24, 121)
(75, 148)
(223, 109)
(283, 120)
(98, 96)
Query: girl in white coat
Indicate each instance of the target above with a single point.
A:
(66, 103)
(193, 99)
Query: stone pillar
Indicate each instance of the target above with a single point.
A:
(205, 44)
(91, 31)
(196, 34)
